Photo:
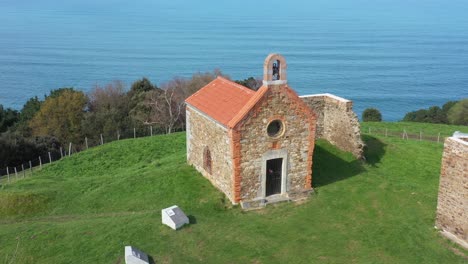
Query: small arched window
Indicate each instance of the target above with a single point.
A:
(207, 163)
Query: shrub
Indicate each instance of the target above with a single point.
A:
(432, 115)
(371, 115)
(458, 114)
(8, 117)
(16, 149)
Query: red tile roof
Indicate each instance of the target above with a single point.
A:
(222, 100)
(248, 106)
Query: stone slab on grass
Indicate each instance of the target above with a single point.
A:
(174, 217)
(135, 256)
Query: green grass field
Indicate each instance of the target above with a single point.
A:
(87, 207)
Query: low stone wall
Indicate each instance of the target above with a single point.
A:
(336, 122)
(452, 204)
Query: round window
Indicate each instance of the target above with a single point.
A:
(275, 128)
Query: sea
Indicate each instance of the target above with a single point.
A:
(394, 55)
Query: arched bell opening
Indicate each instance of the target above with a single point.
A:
(274, 69)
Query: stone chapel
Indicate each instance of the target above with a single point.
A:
(257, 146)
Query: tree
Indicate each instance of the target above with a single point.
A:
(138, 89)
(108, 110)
(61, 117)
(446, 107)
(436, 115)
(136, 97)
(57, 92)
(432, 115)
(8, 117)
(166, 106)
(458, 114)
(30, 108)
(371, 115)
(16, 149)
(142, 85)
(251, 82)
(197, 81)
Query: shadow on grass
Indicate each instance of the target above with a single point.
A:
(329, 167)
(374, 150)
(192, 219)
(331, 164)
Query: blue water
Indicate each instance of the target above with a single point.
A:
(395, 55)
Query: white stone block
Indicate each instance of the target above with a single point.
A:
(174, 217)
(135, 256)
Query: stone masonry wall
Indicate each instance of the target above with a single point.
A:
(204, 132)
(297, 141)
(336, 122)
(452, 205)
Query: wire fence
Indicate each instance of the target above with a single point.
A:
(403, 134)
(28, 168)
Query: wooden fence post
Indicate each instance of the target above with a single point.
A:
(134, 132)
(420, 135)
(24, 171)
(405, 134)
(30, 167)
(40, 162)
(61, 154)
(118, 135)
(86, 141)
(386, 132)
(16, 173)
(8, 173)
(438, 137)
(151, 130)
(69, 150)
(102, 140)
(50, 158)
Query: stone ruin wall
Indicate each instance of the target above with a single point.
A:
(452, 204)
(297, 141)
(336, 122)
(203, 131)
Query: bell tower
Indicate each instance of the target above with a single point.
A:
(274, 70)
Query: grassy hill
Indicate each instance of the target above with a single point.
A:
(87, 207)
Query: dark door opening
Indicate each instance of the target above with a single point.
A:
(273, 176)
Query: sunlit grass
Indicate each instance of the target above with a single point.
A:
(86, 208)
